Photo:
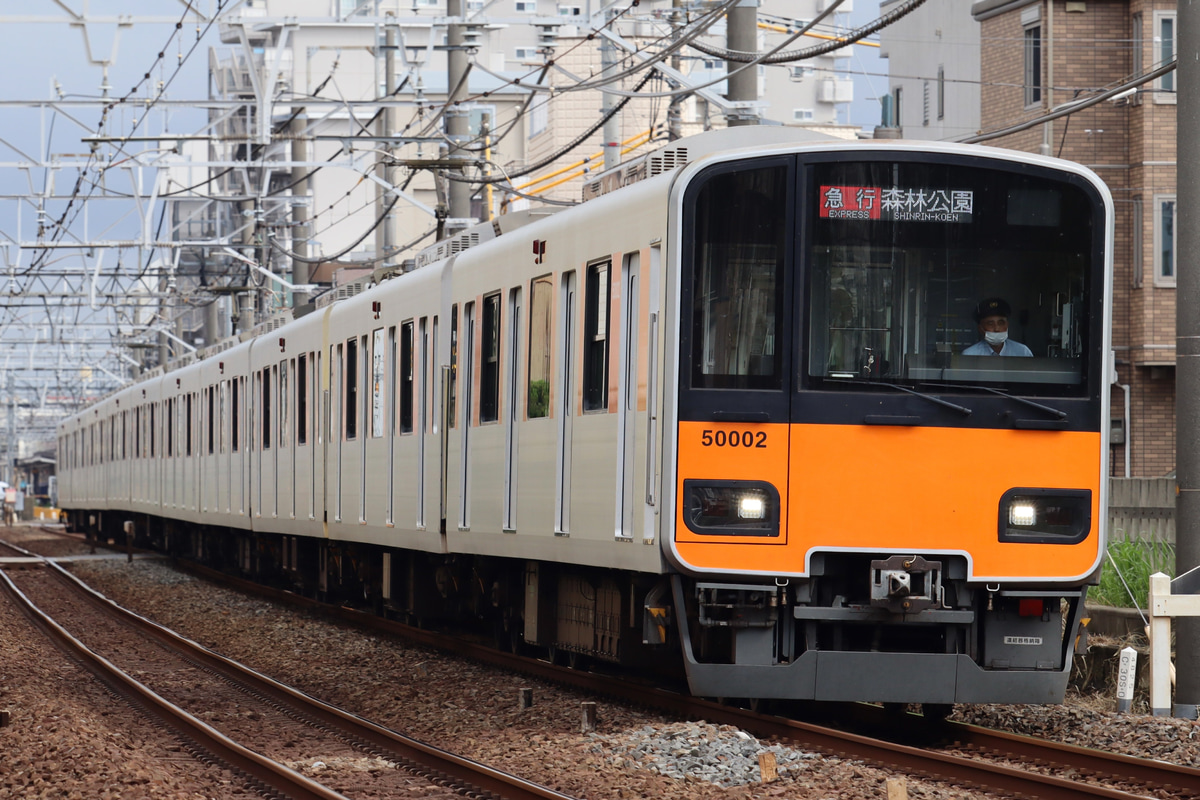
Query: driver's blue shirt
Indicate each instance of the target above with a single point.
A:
(1011, 348)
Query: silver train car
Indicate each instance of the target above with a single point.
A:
(728, 416)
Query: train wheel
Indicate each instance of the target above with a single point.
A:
(936, 712)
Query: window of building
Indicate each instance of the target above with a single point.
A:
(489, 368)
(1033, 65)
(1135, 243)
(595, 337)
(541, 300)
(941, 92)
(1164, 240)
(800, 73)
(570, 11)
(803, 114)
(1164, 53)
(897, 103)
(526, 6)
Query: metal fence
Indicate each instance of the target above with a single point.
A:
(1141, 509)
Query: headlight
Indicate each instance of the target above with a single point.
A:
(731, 508)
(1045, 516)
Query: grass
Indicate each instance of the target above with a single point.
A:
(1135, 561)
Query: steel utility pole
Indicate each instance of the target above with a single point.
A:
(301, 271)
(741, 26)
(458, 123)
(385, 235)
(612, 127)
(1187, 351)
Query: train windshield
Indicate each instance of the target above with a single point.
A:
(947, 275)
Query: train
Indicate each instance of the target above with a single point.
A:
(719, 418)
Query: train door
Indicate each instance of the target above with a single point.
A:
(421, 372)
(293, 454)
(511, 416)
(336, 434)
(464, 482)
(565, 403)
(627, 395)
(390, 427)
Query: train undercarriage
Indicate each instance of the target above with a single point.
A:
(896, 630)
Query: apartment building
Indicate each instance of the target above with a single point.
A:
(933, 70)
(1037, 55)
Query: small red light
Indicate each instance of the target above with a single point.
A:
(1031, 606)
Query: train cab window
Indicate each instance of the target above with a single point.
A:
(406, 377)
(352, 388)
(541, 300)
(737, 294)
(302, 399)
(595, 336)
(489, 368)
(903, 255)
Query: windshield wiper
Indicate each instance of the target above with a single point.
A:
(1055, 412)
(966, 412)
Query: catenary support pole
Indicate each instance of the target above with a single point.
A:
(300, 210)
(612, 126)
(742, 35)
(458, 122)
(1187, 347)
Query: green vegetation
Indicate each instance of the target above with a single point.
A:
(1136, 561)
(539, 399)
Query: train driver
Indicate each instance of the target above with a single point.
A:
(991, 316)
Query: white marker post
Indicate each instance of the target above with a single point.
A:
(1126, 679)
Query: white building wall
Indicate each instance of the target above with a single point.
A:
(939, 38)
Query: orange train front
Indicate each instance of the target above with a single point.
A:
(890, 446)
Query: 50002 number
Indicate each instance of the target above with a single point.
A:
(734, 438)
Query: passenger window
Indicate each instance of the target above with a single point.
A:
(595, 337)
(283, 394)
(352, 388)
(452, 389)
(406, 377)
(541, 299)
(378, 356)
(302, 400)
(266, 408)
(489, 372)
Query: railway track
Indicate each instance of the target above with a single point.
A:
(955, 753)
(183, 682)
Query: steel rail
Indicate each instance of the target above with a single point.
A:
(913, 760)
(263, 770)
(431, 762)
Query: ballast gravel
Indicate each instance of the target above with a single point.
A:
(473, 710)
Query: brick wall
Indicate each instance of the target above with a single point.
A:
(1131, 146)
